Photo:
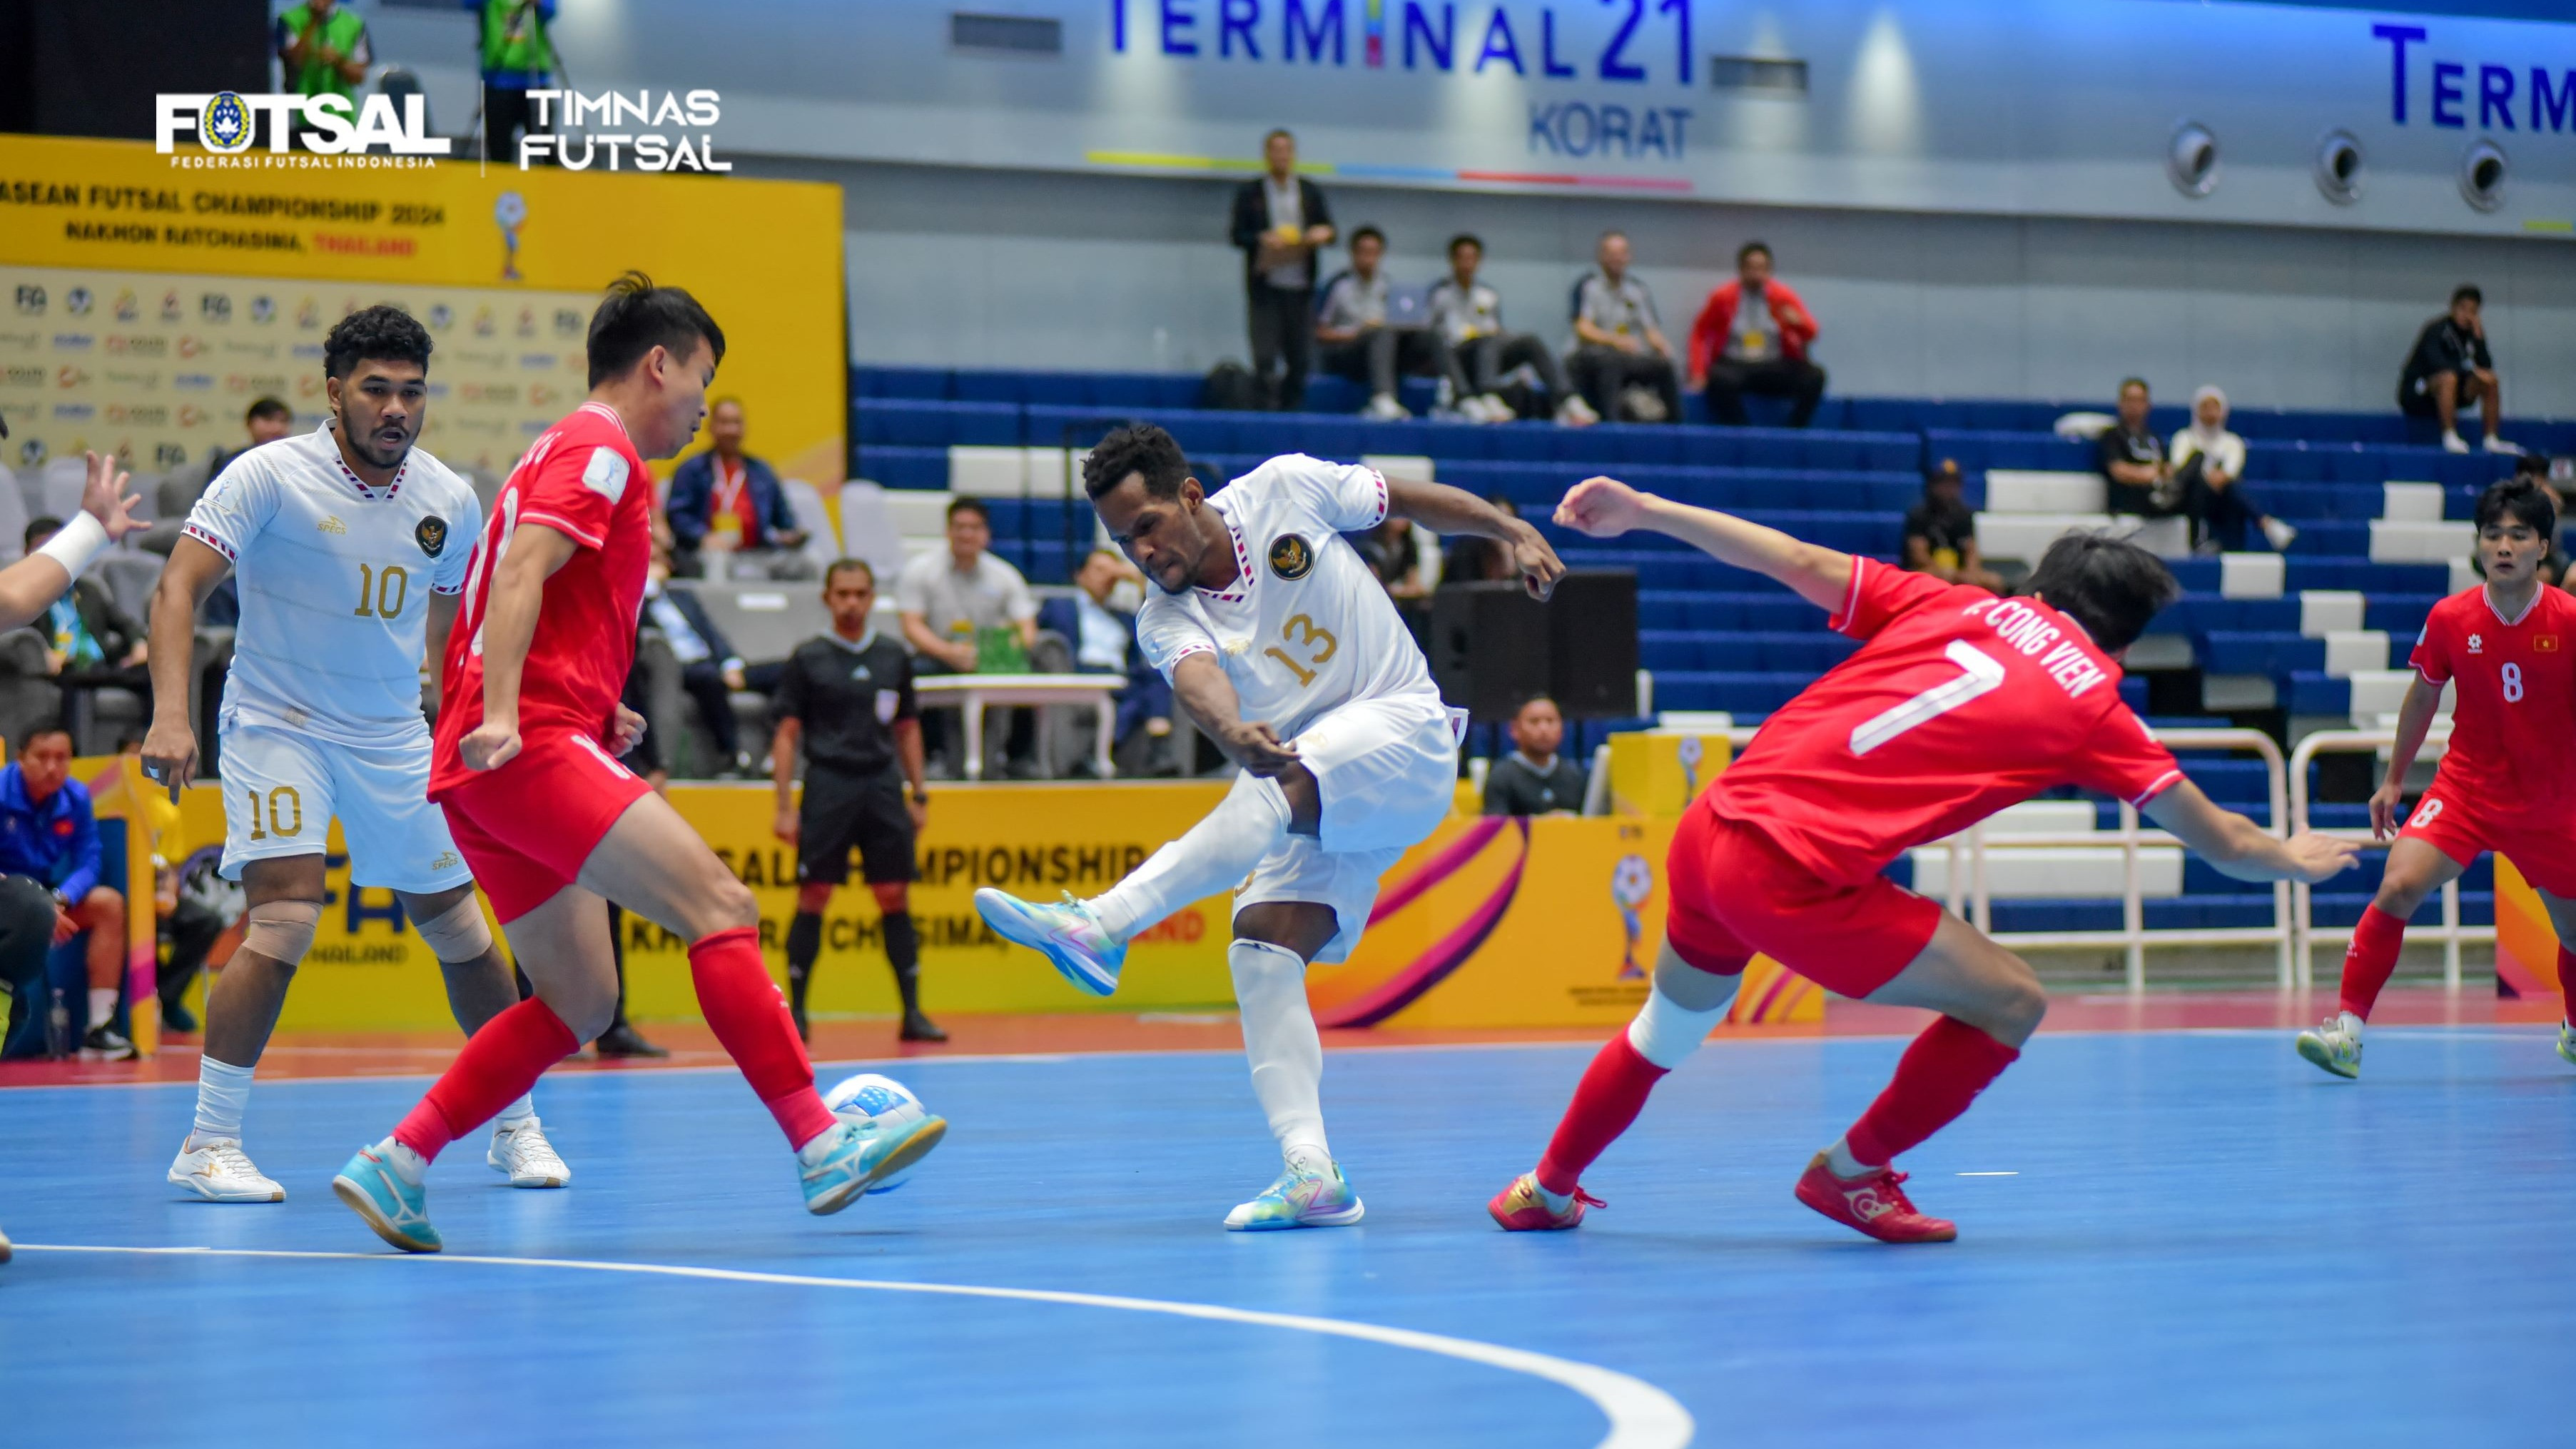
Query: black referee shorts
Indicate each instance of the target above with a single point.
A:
(840, 814)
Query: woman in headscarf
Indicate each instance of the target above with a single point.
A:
(2209, 464)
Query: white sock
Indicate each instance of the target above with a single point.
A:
(102, 1005)
(1280, 1040)
(223, 1091)
(408, 1165)
(1840, 1162)
(1215, 855)
(2348, 1024)
(1557, 1202)
(516, 1115)
(816, 1148)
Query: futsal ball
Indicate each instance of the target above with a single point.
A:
(869, 1100)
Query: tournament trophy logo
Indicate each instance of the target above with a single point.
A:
(511, 213)
(1632, 884)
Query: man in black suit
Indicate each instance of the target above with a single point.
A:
(710, 671)
(1102, 634)
(1280, 219)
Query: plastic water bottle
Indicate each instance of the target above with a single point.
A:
(58, 1028)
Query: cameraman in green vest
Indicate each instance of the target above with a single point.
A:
(324, 47)
(517, 56)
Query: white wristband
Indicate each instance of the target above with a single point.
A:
(77, 544)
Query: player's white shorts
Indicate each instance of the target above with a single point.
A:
(281, 789)
(1388, 771)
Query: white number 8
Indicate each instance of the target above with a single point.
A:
(2513, 684)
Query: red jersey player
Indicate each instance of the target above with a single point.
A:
(2507, 784)
(525, 767)
(1958, 704)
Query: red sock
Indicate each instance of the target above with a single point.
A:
(2567, 979)
(1945, 1069)
(2372, 958)
(1611, 1095)
(750, 1018)
(499, 1063)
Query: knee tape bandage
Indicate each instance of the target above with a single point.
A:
(457, 933)
(282, 930)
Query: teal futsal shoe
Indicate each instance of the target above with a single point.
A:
(856, 1156)
(1303, 1197)
(1066, 933)
(398, 1211)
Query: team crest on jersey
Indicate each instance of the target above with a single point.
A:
(431, 534)
(1291, 557)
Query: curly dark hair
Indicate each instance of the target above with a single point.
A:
(636, 317)
(383, 332)
(1137, 448)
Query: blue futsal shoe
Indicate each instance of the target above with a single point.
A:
(1303, 1197)
(1067, 934)
(859, 1155)
(398, 1211)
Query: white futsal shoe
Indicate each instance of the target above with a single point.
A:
(523, 1155)
(217, 1170)
(2335, 1046)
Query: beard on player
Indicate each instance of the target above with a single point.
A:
(379, 427)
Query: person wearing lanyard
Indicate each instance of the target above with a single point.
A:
(725, 501)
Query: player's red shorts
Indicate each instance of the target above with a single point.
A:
(527, 828)
(2452, 822)
(1734, 893)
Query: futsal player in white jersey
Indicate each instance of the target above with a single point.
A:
(1286, 651)
(350, 546)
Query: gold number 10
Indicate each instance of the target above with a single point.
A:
(382, 595)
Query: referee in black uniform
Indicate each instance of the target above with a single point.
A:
(847, 696)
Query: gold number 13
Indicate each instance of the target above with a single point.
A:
(1308, 639)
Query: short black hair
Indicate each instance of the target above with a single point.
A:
(1466, 239)
(2520, 500)
(42, 730)
(636, 317)
(1137, 448)
(268, 407)
(2139, 383)
(2109, 585)
(2467, 292)
(1367, 231)
(386, 333)
(1274, 133)
(845, 566)
(1540, 697)
(971, 505)
(40, 527)
(1749, 248)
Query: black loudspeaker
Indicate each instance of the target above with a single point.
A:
(1492, 646)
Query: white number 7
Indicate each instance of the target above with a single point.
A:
(1983, 676)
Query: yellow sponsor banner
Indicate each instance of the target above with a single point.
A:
(2526, 943)
(1657, 773)
(117, 259)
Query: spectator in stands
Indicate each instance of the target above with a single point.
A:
(268, 420)
(2450, 369)
(1470, 315)
(1279, 220)
(1622, 362)
(1753, 336)
(1394, 554)
(1534, 779)
(325, 49)
(725, 502)
(2209, 464)
(1471, 560)
(710, 670)
(516, 56)
(1358, 340)
(1099, 623)
(2138, 481)
(94, 644)
(49, 834)
(964, 611)
(27, 917)
(1941, 532)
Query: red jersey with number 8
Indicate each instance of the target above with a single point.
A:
(2513, 720)
(1959, 704)
(583, 480)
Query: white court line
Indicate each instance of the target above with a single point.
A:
(1641, 1416)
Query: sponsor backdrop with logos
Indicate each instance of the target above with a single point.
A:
(146, 299)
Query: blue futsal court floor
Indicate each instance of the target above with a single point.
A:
(2166, 1238)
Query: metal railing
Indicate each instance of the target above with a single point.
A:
(2450, 933)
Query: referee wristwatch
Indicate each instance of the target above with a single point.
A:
(919, 797)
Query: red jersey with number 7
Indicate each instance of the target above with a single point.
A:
(2513, 719)
(1959, 704)
(583, 480)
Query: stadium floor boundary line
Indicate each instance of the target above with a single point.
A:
(1641, 1415)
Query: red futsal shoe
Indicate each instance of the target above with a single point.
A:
(1876, 1205)
(1519, 1208)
